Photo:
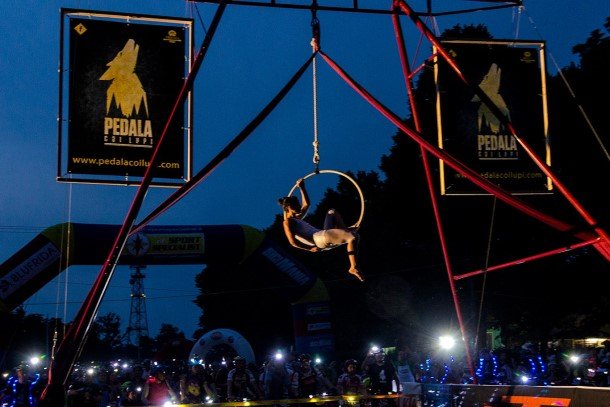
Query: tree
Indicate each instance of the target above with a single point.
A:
(104, 337)
(110, 330)
(406, 293)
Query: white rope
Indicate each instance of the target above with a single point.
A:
(316, 144)
(572, 93)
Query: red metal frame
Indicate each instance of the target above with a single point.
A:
(71, 345)
(407, 74)
(528, 258)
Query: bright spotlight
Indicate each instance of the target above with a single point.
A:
(575, 359)
(34, 360)
(446, 342)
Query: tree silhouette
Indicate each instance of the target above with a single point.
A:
(406, 296)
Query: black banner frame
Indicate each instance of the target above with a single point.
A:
(512, 179)
(178, 30)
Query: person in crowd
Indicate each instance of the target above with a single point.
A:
(382, 375)
(258, 372)
(262, 372)
(505, 372)
(530, 367)
(276, 378)
(408, 386)
(132, 386)
(604, 362)
(329, 375)
(241, 383)
(130, 396)
(220, 380)
(107, 390)
(303, 235)
(487, 368)
(403, 368)
(558, 369)
(292, 362)
(21, 388)
(158, 390)
(350, 382)
(114, 385)
(603, 355)
(332, 371)
(196, 386)
(83, 391)
(307, 380)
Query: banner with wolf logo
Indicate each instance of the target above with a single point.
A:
(512, 75)
(125, 76)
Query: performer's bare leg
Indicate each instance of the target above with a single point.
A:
(351, 253)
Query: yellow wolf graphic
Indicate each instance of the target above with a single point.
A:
(491, 86)
(126, 88)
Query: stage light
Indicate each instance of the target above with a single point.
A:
(446, 342)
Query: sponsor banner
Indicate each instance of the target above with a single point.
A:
(315, 344)
(530, 396)
(166, 244)
(317, 310)
(311, 318)
(296, 279)
(512, 76)
(28, 270)
(318, 326)
(185, 245)
(125, 76)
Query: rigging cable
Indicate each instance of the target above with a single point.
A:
(572, 94)
(194, 6)
(489, 240)
(517, 20)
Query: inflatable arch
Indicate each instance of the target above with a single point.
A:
(46, 256)
(217, 339)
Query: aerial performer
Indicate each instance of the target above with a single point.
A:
(304, 236)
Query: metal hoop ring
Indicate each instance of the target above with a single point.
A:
(350, 179)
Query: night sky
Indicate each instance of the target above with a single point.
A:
(253, 54)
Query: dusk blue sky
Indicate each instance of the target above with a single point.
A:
(255, 51)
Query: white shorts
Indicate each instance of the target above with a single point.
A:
(319, 238)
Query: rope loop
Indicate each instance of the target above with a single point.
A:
(316, 153)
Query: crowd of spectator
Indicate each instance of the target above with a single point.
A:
(295, 376)
(281, 377)
(523, 365)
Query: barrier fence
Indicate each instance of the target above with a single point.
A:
(450, 395)
(386, 400)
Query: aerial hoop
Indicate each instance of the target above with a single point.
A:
(356, 225)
